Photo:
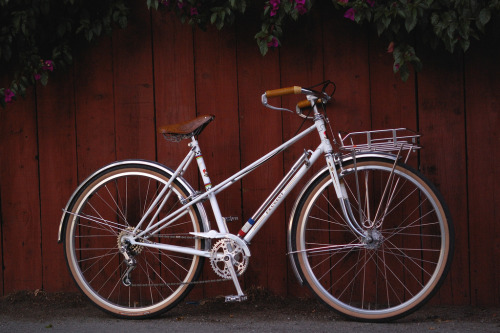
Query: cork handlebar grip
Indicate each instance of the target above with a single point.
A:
(283, 91)
(307, 103)
(304, 104)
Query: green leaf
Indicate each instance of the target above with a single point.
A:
(213, 18)
(263, 48)
(411, 21)
(465, 43)
(404, 72)
(152, 4)
(89, 34)
(381, 27)
(44, 79)
(434, 19)
(484, 16)
(123, 22)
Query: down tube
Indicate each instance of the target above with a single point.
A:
(283, 194)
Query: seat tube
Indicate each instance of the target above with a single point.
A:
(208, 185)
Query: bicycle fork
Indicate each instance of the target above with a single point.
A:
(337, 184)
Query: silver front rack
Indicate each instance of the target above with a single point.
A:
(386, 140)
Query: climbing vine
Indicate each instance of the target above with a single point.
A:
(40, 36)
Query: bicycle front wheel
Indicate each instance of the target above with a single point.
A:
(108, 208)
(405, 256)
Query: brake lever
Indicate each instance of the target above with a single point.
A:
(264, 102)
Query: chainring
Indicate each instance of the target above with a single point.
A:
(220, 251)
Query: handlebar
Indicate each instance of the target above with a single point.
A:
(313, 97)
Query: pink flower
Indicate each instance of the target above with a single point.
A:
(9, 94)
(48, 65)
(302, 10)
(350, 14)
(370, 2)
(300, 5)
(273, 42)
(37, 76)
(180, 4)
(275, 5)
(194, 11)
(343, 1)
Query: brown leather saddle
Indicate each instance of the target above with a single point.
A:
(187, 129)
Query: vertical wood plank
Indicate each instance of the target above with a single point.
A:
(94, 107)
(301, 63)
(133, 87)
(19, 198)
(93, 104)
(174, 84)
(393, 103)
(347, 64)
(260, 132)
(58, 178)
(483, 122)
(216, 93)
(442, 160)
(174, 91)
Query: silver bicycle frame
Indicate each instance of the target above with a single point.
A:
(212, 191)
(258, 219)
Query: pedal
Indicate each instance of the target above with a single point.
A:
(236, 298)
(230, 218)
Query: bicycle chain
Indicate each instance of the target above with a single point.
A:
(178, 283)
(178, 237)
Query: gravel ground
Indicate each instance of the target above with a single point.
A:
(41, 312)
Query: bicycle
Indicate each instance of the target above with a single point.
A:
(370, 235)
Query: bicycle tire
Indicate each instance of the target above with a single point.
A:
(411, 249)
(107, 207)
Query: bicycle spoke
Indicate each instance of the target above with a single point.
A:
(114, 202)
(396, 266)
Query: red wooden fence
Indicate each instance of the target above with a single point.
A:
(157, 71)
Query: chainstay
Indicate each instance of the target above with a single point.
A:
(178, 283)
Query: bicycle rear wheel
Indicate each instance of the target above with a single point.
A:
(405, 261)
(106, 209)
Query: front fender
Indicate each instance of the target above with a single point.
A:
(161, 167)
(344, 159)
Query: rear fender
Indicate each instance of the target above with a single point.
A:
(161, 167)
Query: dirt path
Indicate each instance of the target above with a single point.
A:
(27, 312)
